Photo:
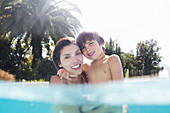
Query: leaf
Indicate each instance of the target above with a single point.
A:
(18, 14)
(42, 20)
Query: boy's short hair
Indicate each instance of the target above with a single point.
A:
(58, 47)
(88, 35)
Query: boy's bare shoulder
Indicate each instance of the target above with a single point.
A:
(116, 67)
(113, 57)
(114, 60)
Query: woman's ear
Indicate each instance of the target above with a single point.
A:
(59, 64)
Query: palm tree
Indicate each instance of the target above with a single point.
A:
(38, 20)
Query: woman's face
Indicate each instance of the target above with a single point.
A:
(71, 59)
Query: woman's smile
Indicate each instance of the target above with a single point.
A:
(76, 67)
(72, 59)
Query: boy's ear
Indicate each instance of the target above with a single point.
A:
(101, 41)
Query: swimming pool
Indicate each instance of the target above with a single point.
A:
(140, 96)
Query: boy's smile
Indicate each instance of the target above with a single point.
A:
(91, 54)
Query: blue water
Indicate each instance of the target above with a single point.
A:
(139, 96)
(18, 106)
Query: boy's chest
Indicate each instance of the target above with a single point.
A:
(98, 68)
(99, 72)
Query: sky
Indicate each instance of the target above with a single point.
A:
(129, 22)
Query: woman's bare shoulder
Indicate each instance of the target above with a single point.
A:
(55, 79)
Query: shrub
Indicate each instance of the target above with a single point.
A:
(6, 76)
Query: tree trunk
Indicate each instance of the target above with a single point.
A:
(36, 49)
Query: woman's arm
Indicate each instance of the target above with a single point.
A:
(56, 80)
(65, 74)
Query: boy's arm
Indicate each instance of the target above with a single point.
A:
(116, 67)
(85, 67)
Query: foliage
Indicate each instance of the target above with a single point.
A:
(112, 47)
(6, 76)
(38, 20)
(46, 69)
(145, 62)
(4, 51)
(15, 57)
(43, 70)
(40, 80)
(29, 26)
(148, 53)
(12, 53)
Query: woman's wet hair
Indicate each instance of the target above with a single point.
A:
(58, 47)
(85, 36)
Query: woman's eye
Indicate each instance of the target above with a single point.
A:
(67, 57)
(78, 53)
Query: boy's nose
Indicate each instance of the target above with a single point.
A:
(87, 49)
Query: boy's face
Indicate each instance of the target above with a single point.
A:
(92, 49)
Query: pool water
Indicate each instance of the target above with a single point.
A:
(130, 96)
(18, 106)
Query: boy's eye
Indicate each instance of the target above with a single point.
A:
(90, 43)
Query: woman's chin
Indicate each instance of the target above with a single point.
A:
(75, 74)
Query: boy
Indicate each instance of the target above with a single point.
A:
(102, 68)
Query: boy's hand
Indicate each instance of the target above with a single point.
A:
(63, 73)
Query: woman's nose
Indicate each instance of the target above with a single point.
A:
(74, 59)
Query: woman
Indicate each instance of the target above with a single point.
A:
(67, 55)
